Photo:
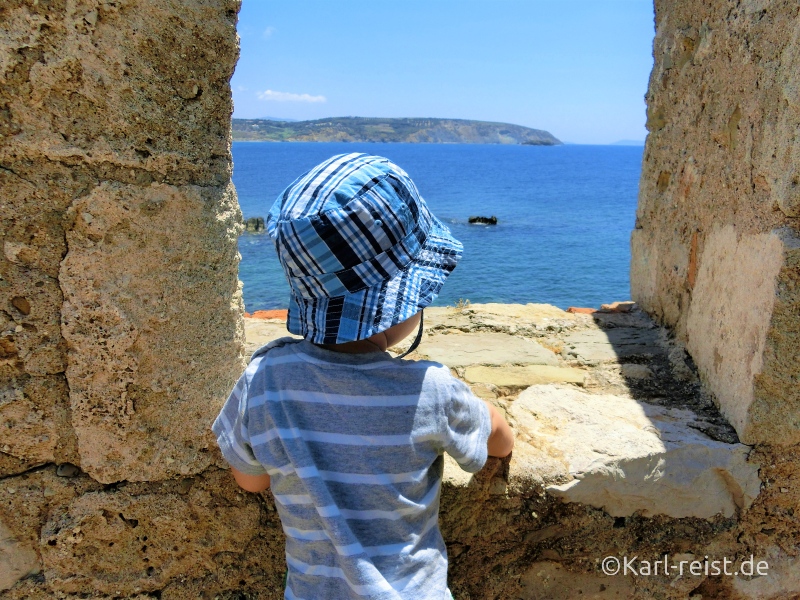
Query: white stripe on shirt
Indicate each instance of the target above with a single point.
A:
(336, 572)
(240, 452)
(362, 478)
(330, 438)
(293, 499)
(320, 535)
(366, 515)
(334, 399)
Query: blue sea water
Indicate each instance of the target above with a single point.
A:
(564, 213)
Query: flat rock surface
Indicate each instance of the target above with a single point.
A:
(521, 377)
(516, 316)
(459, 350)
(17, 559)
(259, 332)
(497, 317)
(611, 344)
(627, 456)
(548, 580)
(782, 579)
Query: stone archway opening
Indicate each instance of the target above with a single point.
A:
(122, 330)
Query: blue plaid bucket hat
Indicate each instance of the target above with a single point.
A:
(359, 247)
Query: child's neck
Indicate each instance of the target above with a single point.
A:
(376, 343)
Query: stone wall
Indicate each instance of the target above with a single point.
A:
(121, 331)
(120, 308)
(716, 250)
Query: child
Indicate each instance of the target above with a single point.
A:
(350, 438)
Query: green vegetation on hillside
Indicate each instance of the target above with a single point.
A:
(361, 129)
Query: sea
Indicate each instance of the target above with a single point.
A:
(564, 216)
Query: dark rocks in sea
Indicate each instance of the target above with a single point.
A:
(254, 225)
(484, 220)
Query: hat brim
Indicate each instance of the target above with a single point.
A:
(359, 315)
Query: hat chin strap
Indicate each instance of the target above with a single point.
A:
(417, 339)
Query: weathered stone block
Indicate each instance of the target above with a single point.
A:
(11, 465)
(35, 420)
(123, 543)
(626, 456)
(138, 91)
(715, 244)
(456, 350)
(151, 303)
(186, 538)
(25, 502)
(31, 345)
(107, 108)
(729, 322)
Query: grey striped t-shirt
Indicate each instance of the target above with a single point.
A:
(353, 445)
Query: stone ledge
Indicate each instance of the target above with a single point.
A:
(627, 457)
(641, 438)
(607, 412)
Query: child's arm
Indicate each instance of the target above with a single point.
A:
(501, 440)
(252, 483)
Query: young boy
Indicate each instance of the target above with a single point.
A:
(350, 438)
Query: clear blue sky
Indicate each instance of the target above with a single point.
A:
(577, 68)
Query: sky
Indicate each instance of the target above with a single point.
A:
(576, 68)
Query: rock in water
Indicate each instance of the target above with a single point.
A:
(484, 220)
(254, 225)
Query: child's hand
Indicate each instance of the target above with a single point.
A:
(501, 440)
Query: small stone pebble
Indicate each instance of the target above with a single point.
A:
(67, 470)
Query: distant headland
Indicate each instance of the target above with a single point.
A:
(363, 129)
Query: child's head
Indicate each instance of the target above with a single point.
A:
(359, 247)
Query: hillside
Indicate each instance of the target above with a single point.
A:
(361, 129)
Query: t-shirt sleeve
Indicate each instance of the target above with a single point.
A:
(230, 427)
(468, 426)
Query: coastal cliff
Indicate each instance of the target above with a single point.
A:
(360, 129)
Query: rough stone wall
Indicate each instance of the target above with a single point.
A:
(120, 307)
(121, 333)
(716, 250)
(119, 227)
